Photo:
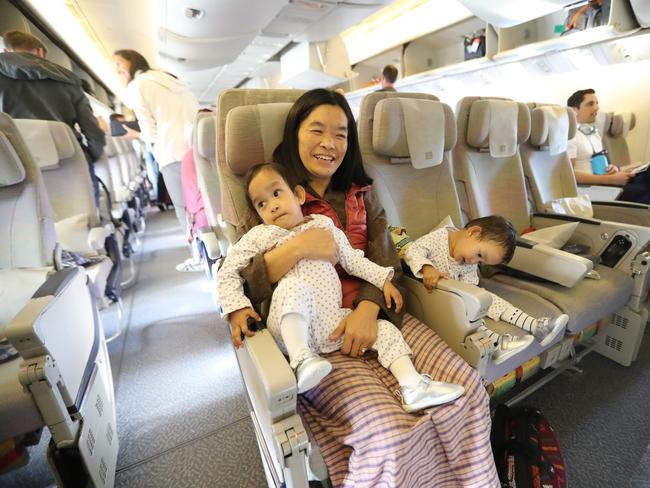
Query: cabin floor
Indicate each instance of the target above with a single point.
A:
(182, 414)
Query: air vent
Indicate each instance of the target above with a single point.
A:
(99, 405)
(194, 13)
(613, 343)
(620, 321)
(109, 434)
(102, 470)
(90, 441)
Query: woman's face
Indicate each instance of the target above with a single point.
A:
(122, 66)
(323, 141)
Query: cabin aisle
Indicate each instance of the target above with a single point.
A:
(602, 420)
(182, 413)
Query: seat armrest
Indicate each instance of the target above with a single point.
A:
(209, 239)
(599, 235)
(624, 212)
(597, 192)
(445, 309)
(271, 383)
(549, 263)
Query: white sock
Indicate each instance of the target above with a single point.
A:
(495, 337)
(295, 334)
(406, 374)
(521, 319)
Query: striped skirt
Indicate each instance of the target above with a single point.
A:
(368, 440)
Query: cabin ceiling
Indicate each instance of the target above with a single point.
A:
(226, 41)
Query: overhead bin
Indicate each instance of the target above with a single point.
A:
(312, 64)
(506, 13)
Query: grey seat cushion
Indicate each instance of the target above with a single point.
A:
(586, 303)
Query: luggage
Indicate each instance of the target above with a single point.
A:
(526, 450)
(474, 45)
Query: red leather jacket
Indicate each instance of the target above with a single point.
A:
(356, 229)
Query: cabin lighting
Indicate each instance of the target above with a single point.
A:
(70, 24)
(400, 22)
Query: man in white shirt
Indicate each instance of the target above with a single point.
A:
(588, 142)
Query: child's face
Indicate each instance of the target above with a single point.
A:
(470, 249)
(274, 201)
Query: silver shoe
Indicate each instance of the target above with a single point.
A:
(310, 371)
(550, 329)
(510, 345)
(428, 393)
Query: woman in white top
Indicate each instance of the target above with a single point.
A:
(165, 108)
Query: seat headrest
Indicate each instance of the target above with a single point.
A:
(552, 125)
(12, 170)
(206, 137)
(402, 126)
(49, 142)
(622, 123)
(252, 134)
(499, 125)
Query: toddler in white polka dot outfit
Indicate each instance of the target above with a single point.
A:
(450, 253)
(307, 303)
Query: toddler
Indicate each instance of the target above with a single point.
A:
(449, 253)
(306, 304)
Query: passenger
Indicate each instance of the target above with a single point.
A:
(364, 435)
(588, 143)
(165, 108)
(31, 87)
(194, 209)
(449, 253)
(388, 78)
(306, 304)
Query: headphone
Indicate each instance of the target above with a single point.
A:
(587, 129)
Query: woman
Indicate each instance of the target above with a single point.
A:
(364, 436)
(165, 109)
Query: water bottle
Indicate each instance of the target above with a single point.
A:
(599, 163)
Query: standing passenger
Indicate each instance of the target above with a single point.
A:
(165, 108)
(31, 87)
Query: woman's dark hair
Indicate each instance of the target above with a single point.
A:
(499, 230)
(287, 154)
(137, 61)
(280, 169)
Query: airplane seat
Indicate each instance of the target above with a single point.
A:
(69, 189)
(205, 159)
(641, 10)
(133, 180)
(417, 194)
(61, 379)
(249, 125)
(488, 170)
(615, 139)
(28, 249)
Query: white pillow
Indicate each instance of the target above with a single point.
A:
(556, 236)
(579, 206)
(72, 234)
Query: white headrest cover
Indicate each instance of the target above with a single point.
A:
(622, 123)
(553, 126)
(391, 138)
(64, 139)
(498, 125)
(252, 134)
(206, 137)
(40, 142)
(12, 170)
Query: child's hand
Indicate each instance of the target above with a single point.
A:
(238, 325)
(392, 294)
(431, 276)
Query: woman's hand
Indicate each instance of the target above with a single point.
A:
(611, 169)
(431, 276)
(131, 134)
(238, 324)
(318, 244)
(619, 178)
(392, 294)
(359, 329)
